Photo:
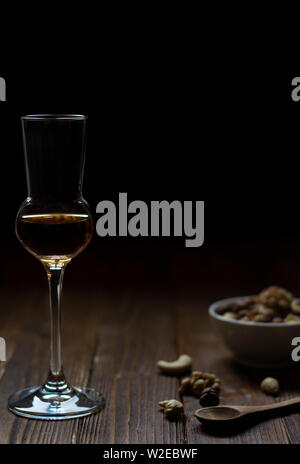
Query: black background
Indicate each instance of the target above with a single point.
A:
(176, 112)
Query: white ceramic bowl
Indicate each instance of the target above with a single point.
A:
(255, 344)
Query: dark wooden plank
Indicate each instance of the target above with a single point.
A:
(290, 389)
(22, 346)
(131, 340)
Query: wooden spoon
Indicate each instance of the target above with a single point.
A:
(230, 414)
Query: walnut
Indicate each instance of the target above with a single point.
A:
(198, 382)
(275, 297)
(173, 409)
(210, 377)
(195, 376)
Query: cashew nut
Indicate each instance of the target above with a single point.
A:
(172, 408)
(292, 318)
(296, 306)
(177, 368)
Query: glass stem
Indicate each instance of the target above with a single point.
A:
(56, 380)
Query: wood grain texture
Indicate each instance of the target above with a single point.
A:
(112, 341)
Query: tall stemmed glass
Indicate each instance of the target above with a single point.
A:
(54, 224)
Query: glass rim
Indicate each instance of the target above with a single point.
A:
(45, 117)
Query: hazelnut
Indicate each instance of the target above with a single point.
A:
(185, 385)
(198, 386)
(209, 398)
(216, 387)
(270, 386)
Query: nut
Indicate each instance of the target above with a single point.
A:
(230, 315)
(273, 304)
(275, 297)
(216, 387)
(196, 375)
(243, 313)
(292, 318)
(296, 306)
(277, 319)
(269, 312)
(209, 398)
(256, 309)
(210, 377)
(177, 368)
(185, 386)
(173, 409)
(262, 318)
(198, 382)
(270, 386)
(198, 386)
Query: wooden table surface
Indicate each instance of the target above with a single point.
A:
(112, 341)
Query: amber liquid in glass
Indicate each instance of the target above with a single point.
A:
(60, 236)
(54, 224)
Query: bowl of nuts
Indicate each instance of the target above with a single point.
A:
(259, 329)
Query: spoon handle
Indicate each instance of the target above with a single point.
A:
(269, 407)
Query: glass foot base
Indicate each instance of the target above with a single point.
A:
(39, 403)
